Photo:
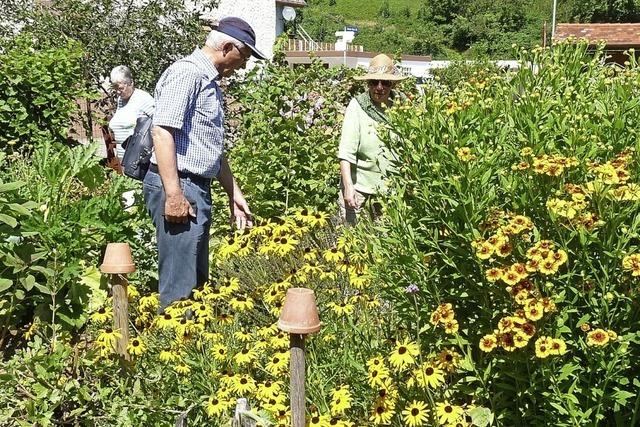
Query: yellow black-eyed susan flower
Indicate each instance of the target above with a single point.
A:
(219, 352)
(136, 347)
(320, 219)
(217, 406)
(241, 303)
(404, 355)
(245, 356)
(415, 414)
(342, 308)
(340, 400)
(106, 339)
(182, 368)
(426, 376)
(448, 413)
(278, 363)
(243, 385)
(382, 412)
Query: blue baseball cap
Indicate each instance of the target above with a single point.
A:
(242, 31)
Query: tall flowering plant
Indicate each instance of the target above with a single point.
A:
(515, 204)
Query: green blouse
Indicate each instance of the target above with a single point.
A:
(361, 146)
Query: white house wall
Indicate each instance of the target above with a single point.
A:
(260, 14)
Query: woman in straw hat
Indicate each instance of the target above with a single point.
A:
(364, 159)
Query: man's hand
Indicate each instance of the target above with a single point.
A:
(349, 195)
(177, 209)
(240, 213)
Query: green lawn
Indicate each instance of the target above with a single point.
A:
(359, 10)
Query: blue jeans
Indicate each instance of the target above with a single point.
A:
(183, 249)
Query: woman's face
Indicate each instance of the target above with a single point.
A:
(123, 90)
(380, 90)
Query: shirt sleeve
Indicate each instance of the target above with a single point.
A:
(147, 105)
(175, 96)
(350, 137)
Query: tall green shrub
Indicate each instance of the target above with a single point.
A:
(147, 36)
(38, 90)
(284, 126)
(65, 212)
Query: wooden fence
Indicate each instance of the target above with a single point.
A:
(311, 46)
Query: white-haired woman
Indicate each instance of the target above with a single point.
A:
(131, 104)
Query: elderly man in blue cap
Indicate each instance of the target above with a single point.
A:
(188, 137)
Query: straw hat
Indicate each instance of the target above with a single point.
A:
(381, 68)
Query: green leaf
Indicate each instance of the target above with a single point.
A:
(481, 416)
(10, 221)
(92, 177)
(44, 270)
(10, 186)
(21, 209)
(5, 284)
(28, 282)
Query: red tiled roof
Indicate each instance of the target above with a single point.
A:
(615, 35)
(292, 3)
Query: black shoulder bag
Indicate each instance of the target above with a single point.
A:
(137, 149)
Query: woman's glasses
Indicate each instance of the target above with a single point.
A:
(385, 83)
(119, 87)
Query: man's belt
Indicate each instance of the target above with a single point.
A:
(196, 179)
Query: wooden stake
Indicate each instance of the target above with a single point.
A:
(242, 406)
(297, 366)
(120, 313)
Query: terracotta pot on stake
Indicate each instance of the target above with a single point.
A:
(117, 263)
(299, 317)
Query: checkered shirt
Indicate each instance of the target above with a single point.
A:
(189, 100)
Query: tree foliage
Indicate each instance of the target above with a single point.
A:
(450, 28)
(441, 29)
(38, 89)
(146, 36)
(602, 11)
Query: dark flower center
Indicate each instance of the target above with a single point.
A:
(448, 409)
(429, 371)
(415, 411)
(402, 350)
